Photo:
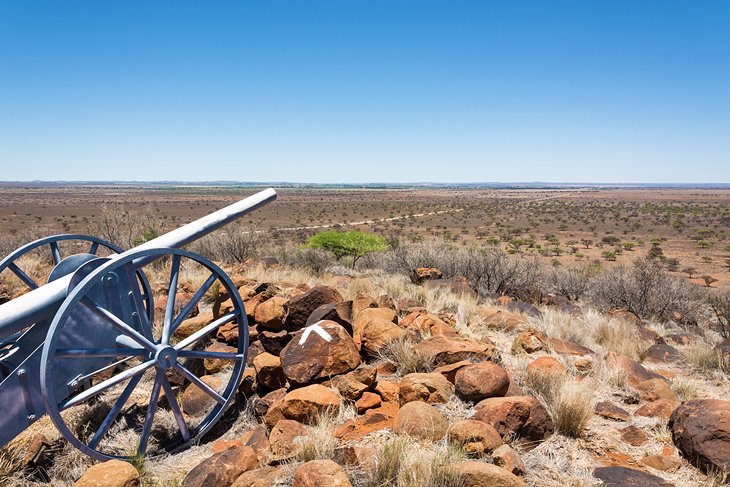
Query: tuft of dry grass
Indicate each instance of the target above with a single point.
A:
(703, 356)
(405, 357)
(401, 464)
(321, 442)
(685, 389)
(570, 403)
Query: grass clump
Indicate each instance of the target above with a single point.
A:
(401, 464)
(405, 357)
(569, 403)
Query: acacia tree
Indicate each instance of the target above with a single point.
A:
(352, 243)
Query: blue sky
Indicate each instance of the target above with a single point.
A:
(366, 91)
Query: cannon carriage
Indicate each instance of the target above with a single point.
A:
(87, 349)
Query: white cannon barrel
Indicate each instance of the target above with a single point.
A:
(25, 310)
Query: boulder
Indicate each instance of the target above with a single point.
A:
(507, 458)
(420, 420)
(377, 333)
(195, 402)
(274, 341)
(271, 314)
(113, 473)
(616, 476)
(373, 420)
(320, 473)
(318, 352)
(527, 342)
(300, 307)
(665, 463)
(340, 313)
(480, 381)
(389, 391)
(546, 365)
(450, 371)
(481, 474)
(661, 352)
(522, 416)
(422, 274)
(261, 477)
(369, 314)
(269, 373)
(222, 469)
(609, 410)
(286, 439)
(561, 347)
(499, 318)
(191, 325)
(215, 365)
(633, 435)
(701, 430)
(304, 404)
(431, 388)
(634, 371)
(475, 437)
(448, 350)
(369, 400)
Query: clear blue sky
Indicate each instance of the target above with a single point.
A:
(363, 91)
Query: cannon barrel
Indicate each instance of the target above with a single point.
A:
(43, 302)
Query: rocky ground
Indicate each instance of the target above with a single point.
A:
(371, 380)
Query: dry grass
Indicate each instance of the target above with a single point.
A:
(320, 443)
(703, 356)
(560, 461)
(594, 330)
(686, 389)
(570, 403)
(405, 357)
(401, 463)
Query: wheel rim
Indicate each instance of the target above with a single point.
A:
(10, 262)
(150, 353)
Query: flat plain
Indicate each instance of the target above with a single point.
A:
(689, 227)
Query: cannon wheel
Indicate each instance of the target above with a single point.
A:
(155, 353)
(9, 262)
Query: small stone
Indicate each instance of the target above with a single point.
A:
(609, 410)
(633, 436)
(507, 458)
(368, 400)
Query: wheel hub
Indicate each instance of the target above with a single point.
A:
(166, 357)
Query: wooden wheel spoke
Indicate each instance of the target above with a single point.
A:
(55, 252)
(100, 352)
(206, 330)
(107, 384)
(151, 410)
(191, 304)
(22, 275)
(202, 354)
(171, 296)
(172, 400)
(114, 412)
(118, 324)
(200, 384)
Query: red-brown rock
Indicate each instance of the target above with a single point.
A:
(448, 350)
(320, 473)
(303, 305)
(318, 352)
(701, 430)
(480, 381)
(521, 415)
(431, 388)
(420, 420)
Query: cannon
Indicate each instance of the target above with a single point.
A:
(87, 349)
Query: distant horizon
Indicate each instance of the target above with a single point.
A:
(223, 183)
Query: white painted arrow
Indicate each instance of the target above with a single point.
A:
(317, 328)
